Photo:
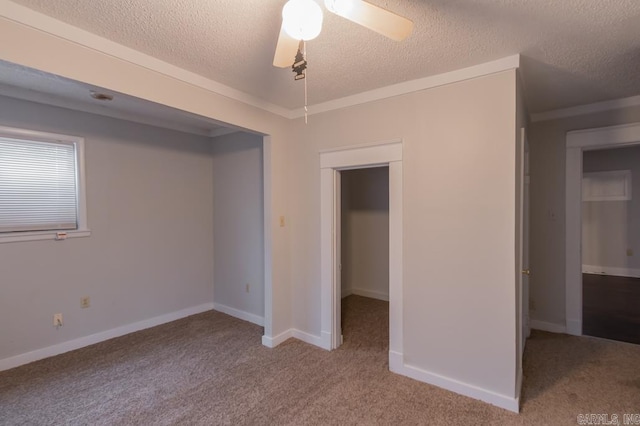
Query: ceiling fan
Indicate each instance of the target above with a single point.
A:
(302, 21)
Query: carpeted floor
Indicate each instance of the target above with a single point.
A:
(211, 369)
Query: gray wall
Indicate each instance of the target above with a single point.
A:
(149, 202)
(609, 228)
(238, 222)
(458, 218)
(547, 257)
(365, 232)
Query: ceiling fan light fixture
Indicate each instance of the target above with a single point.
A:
(302, 19)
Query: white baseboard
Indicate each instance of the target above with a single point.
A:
(81, 342)
(397, 365)
(574, 327)
(237, 313)
(547, 326)
(311, 339)
(370, 293)
(396, 362)
(272, 342)
(610, 270)
(323, 341)
(326, 340)
(519, 379)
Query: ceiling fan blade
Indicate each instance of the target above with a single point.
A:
(285, 50)
(373, 17)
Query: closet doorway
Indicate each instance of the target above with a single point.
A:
(364, 257)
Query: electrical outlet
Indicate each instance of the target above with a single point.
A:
(281, 221)
(246, 287)
(57, 320)
(85, 302)
(629, 252)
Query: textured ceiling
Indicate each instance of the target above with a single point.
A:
(575, 51)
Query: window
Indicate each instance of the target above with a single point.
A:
(614, 185)
(41, 186)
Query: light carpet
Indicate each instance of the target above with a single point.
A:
(211, 369)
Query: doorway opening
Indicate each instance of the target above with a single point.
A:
(610, 240)
(577, 142)
(364, 259)
(332, 162)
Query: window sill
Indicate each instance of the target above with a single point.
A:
(42, 236)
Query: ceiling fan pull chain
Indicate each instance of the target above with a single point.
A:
(306, 111)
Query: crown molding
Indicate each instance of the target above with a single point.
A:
(504, 64)
(41, 22)
(586, 109)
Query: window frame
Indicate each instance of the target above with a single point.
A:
(624, 176)
(83, 227)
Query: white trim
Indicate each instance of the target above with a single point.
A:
(237, 313)
(603, 137)
(586, 109)
(396, 362)
(487, 68)
(611, 270)
(369, 155)
(573, 239)
(387, 153)
(272, 342)
(81, 208)
(576, 142)
(397, 365)
(548, 326)
(323, 341)
(311, 339)
(574, 327)
(268, 234)
(519, 378)
(380, 295)
(81, 342)
(54, 27)
(43, 236)
(396, 262)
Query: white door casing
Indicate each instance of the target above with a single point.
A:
(522, 252)
(337, 259)
(577, 142)
(331, 162)
(268, 241)
(524, 237)
(525, 248)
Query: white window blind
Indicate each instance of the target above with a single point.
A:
(38, 185)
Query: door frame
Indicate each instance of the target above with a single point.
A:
(331, 163)
(578, 141)
(522, 277)
(267, 199)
